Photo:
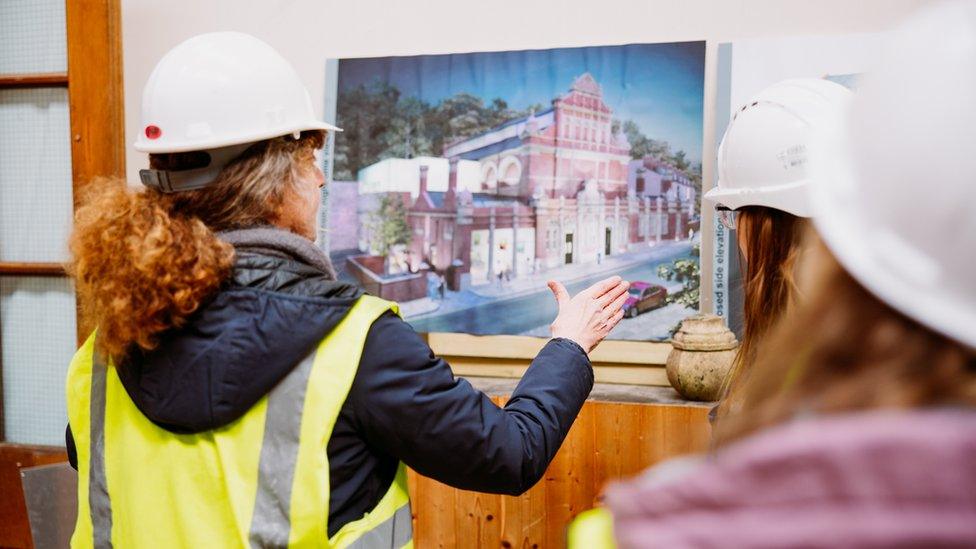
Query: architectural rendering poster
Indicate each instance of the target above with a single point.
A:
(463, 182)
(745, 68)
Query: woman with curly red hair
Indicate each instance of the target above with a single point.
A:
(235, 393)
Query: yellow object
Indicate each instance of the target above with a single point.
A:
(261, 481)
(592, 529)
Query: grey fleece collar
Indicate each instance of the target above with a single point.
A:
(282, 243)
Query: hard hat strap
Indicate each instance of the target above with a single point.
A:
(172, 181)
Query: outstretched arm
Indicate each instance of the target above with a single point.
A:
(407, 402)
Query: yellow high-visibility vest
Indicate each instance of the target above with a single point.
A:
(592, 529)
(261, 481)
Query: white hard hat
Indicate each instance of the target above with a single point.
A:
(762, 160)
(220, 89)
(895, 186)
(219, 92)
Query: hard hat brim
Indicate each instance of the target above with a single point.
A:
(145, 145)
(790, 198)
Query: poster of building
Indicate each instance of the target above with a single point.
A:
(745, 68)
(463, 182)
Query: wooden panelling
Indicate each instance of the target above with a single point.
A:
(609, 441)
(14, 526)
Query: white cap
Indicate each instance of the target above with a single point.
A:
(221, 89)
(895, 189)
(762, 160)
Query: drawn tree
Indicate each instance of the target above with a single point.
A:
(380, 123)
(687, 271)
(367, 114)
(388, 224)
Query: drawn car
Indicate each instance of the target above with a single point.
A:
(644, 297)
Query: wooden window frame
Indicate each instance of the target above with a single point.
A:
(96, 112)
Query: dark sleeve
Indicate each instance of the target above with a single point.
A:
(69, 445)
(407, 403)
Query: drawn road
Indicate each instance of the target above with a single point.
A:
(521, 314)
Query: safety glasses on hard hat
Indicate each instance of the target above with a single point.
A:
(728, 217)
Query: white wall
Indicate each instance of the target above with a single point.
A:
(403, 175)
(307, 32)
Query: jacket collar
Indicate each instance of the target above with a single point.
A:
(273, 241)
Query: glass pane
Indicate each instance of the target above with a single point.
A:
(35, 174)
(37, 341)
(32, 36)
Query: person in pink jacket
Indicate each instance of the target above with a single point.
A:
(858, 423)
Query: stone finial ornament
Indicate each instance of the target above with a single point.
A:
(701, 357)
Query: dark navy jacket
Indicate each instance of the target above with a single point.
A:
(404, 404)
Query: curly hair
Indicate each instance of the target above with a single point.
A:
(144, 261)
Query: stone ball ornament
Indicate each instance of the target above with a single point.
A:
(702, 353)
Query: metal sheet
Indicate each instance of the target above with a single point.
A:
(51, 494)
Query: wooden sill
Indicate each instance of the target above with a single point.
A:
(627, 362)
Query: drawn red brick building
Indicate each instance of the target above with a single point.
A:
(557, 187)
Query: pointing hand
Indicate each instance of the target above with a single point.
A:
(590, 315)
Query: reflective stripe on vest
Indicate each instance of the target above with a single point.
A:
(270, 524)
(260, 482)
(389, 524)
(395, 531)
(98, 500)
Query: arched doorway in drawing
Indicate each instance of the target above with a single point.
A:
(590, 234)
(489, 176)
(509, 171)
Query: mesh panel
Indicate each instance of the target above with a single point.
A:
(37, 317)
(35, 174)
(32, 36)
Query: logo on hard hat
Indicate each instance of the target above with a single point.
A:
(793, 157)
(153, 132)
